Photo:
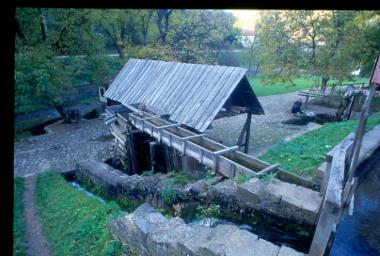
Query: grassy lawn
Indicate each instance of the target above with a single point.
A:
(74, 223)
(304, 154)
(19, 242)
(278, 88)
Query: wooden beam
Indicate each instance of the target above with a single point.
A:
(335, 183)
(193, 136)
(168, 126)
(110, 120)
(268, 169)
(325, 228)
(225, 150)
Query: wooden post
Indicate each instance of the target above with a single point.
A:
(132, 151)
(116, 145)
(331, 205)
(306, 100)
(152, 145)
(242, 134)
(248, 132)
(351, 106)
(360, 132)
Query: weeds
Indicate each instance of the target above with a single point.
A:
(168, 194)
(147, 173)
(180, 177)
(267, 177)
(211, 211)
(243, 177)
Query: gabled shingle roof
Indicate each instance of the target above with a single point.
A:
(192, 94)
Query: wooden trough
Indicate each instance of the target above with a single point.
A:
(227, 161)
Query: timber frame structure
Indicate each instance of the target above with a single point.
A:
(170, 105)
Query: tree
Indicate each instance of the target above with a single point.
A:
(41, 78)
(200, 35)
(317, 43)
(146, 16)
(162, 21)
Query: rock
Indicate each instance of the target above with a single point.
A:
(197, 188)
(286, 251)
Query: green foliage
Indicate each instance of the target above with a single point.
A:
(267, 177)
(327, 44)
(168, 194)
(147, 173)
(124, 202)
(74, 223)
(211, 211)
(243, 177)
(180, 177)
(40, 79)
(305, 153)
(19, 239)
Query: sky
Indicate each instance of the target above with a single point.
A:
(245, 19)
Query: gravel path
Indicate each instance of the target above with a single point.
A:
(266, 130)
(63, 147)
(37, 244)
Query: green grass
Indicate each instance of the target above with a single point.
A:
(19, 240)
(180, 177)
(304, 154)
(100, 190)
(74, 223)
(278, 88)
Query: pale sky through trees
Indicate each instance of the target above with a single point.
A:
(245, 19)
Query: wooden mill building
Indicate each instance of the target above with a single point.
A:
(170, 104)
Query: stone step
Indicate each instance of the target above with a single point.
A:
(283, 199)
(147, 232)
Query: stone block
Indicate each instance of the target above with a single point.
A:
(286, 251)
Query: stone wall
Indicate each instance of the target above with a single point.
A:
(285, 201)
(148, 232)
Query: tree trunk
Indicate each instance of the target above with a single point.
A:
(256, 70)
(324, 85)
(163, 14)
(43, 27)
(120, 51)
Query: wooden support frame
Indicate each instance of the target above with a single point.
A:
(271, 168)
(225, 150)
(193, 136)
(168, 126)
(245, 133)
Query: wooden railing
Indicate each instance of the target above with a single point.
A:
(338, 195)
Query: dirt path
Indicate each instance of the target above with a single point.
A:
(36, 242)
